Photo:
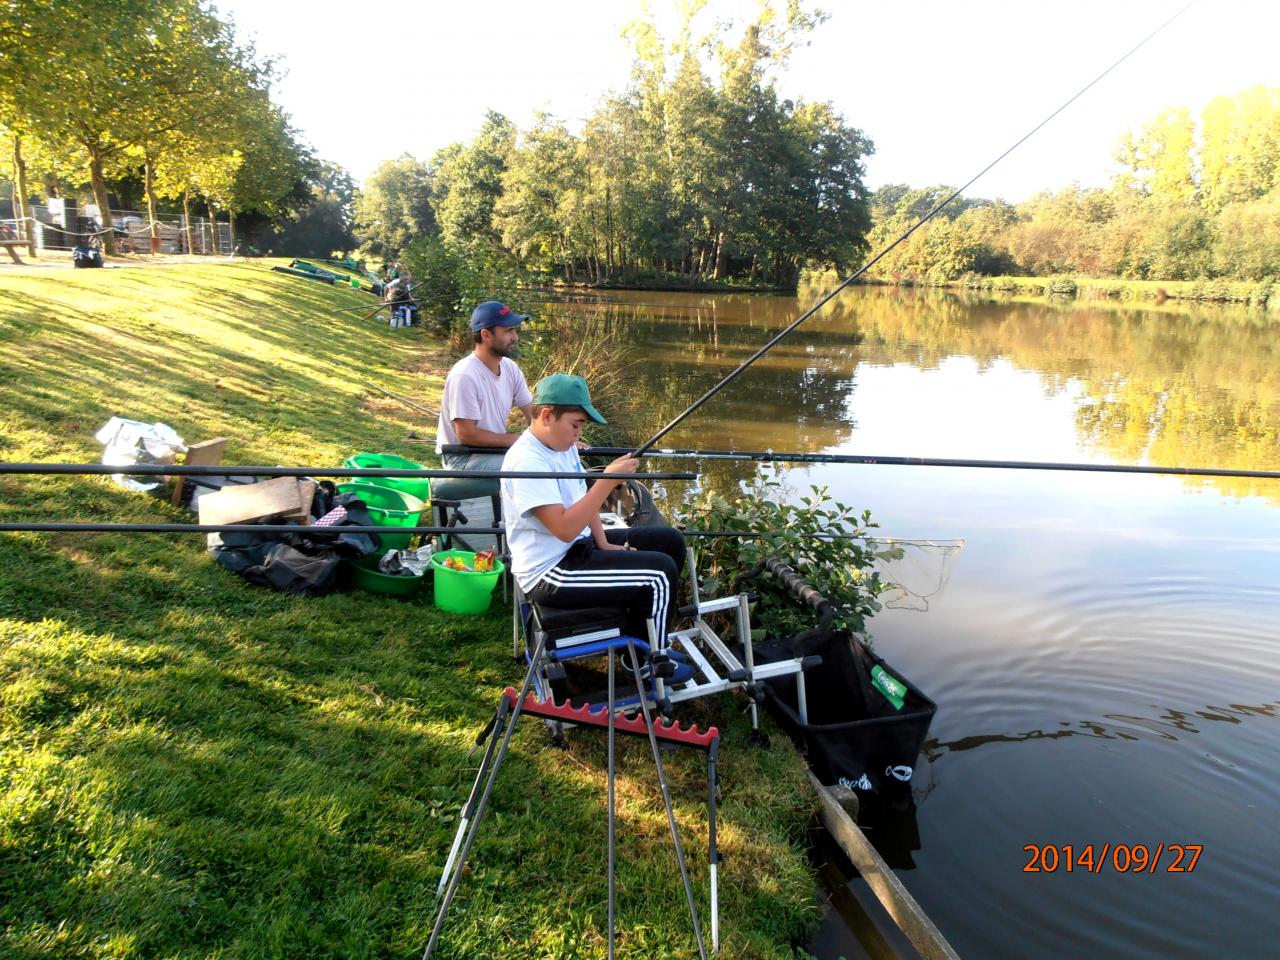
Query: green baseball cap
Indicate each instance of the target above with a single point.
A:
(564, 389)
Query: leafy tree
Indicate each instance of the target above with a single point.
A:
(1247, 239)
(539, 194)
(108, 76)
(1240, 156)
(1159, 158)
(395, 207)
(324, 224)
(468, 182)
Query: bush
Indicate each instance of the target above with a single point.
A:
(586, 343)
(839, 567)
(450, 278)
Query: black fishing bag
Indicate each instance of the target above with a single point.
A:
(866, 722)
(855, 735)
(305, 562)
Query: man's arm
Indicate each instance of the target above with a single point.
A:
(472, 435)
(565, 523)
(527, 410)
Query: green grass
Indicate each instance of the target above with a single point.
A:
(194, 767)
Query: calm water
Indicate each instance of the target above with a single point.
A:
(1106, 657)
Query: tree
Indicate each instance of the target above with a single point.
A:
(324, 225)
(1159, 158)
(535, 212)
(1240, 158)
(468, 182)
(110, 76)
(395, 207)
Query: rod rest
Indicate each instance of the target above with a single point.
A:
(690, 609)
(667, 730)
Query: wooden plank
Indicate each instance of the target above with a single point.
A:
(306, 493)
(11, 246)
(899, 903)
(253, 501)
(206, 453)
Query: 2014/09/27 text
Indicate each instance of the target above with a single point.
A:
(1119, 857)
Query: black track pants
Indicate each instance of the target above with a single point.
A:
(642, 581)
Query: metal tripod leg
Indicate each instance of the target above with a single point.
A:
(493, 733)
(666, 799)
(713, 852)
(613, 735)
(483, 802)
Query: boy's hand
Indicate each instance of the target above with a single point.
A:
(623, 464)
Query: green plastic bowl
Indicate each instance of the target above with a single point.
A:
(366, 575)
(419, 487)
(388, 508)
(463, 591)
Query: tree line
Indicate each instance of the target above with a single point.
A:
(1195, 199)
(698, 172)
(156, 100)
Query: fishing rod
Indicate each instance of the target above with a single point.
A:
(224, 470)
(733, 374)
(770, 456)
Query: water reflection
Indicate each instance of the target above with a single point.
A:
(1114, 382)
(1118, 600)
(1121, 728)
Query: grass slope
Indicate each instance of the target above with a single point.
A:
(194, 767)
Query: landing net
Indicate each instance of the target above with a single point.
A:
(916, 570)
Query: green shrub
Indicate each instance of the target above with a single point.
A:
(840, 567)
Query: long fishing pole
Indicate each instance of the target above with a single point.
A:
(771, 456)
(767, 456)
(733, 374)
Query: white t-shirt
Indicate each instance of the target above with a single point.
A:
(472, 392)
(534, 548)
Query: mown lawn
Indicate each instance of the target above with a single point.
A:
(194, 767)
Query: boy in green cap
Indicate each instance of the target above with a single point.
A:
(560, 554)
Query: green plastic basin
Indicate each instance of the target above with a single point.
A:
(419, 487)
(388, 508)
(463, 591)
(366, 575)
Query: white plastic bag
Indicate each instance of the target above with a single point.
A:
(130, 441)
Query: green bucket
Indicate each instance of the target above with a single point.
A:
(419, 487)
(388, 508)
(366, 575)
(463, 591)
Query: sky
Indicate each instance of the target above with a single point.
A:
(941, 88)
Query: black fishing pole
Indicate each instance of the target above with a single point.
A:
(770, 456)
(223, 470)
(733, 374)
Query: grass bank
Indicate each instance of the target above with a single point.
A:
(193, 767)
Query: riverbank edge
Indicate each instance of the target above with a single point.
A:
(1262, 293)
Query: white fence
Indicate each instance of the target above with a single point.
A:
(60, 226)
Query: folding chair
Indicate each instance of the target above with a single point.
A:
(695, 661)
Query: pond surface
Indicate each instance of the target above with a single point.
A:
(1106, 656)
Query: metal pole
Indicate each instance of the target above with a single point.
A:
(166, 470)
(613, 734)
(468, 809)
(666, 798)
(713, 852)
(484, 802)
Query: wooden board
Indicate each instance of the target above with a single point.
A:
(884, 883)
(306, 493)
(254, 501)
(205, 453)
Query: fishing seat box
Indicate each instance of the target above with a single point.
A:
(854, 737)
